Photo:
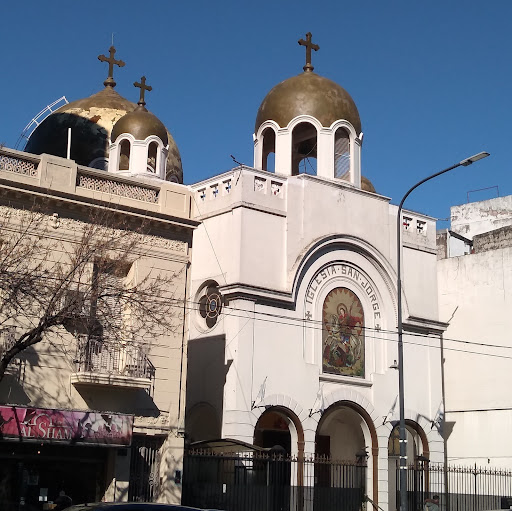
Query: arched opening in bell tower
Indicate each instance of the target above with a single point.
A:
(124, 155)
(269, 150)
(152, 157)
(342, 154)
(304, 149)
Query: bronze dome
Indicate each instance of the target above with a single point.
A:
(91, 121)
(141, 124)
(367, 185)
(310, 94)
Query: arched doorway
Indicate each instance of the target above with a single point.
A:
(417, 462)
(280, 431)
(345, 440)
(272, 431)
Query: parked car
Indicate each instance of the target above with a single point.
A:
(130, 506)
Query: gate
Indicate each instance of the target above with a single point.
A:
(144, 469)
(255, 481)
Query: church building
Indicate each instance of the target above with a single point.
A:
(293, 342)
(286, 341)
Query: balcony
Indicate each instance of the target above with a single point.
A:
(110, 363)
(7, 338)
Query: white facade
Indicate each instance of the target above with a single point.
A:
(325, 147)
(474, 297)
(276, 247)
(138, 157)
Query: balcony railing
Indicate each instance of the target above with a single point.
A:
(7, 338)
(112, 363)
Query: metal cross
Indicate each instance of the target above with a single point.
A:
(109, 82)
(309, 46)
(143, 87)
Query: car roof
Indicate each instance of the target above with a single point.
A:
(130, 506)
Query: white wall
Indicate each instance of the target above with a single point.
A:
(479, 217)
(474, 295)
(264, 248)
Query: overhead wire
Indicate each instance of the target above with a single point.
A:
(304, 324)
(318, 325)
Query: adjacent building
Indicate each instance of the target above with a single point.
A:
(475, 282)
(99, 419)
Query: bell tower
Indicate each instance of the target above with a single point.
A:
(309, 124)
(139, 141)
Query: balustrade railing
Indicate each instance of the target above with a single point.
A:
(100, 356)
(7, 338)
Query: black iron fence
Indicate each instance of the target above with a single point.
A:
(470, 488)
(261, 481)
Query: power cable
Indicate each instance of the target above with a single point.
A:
(380, 338)
(318, 324)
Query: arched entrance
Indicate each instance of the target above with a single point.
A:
(280, 430)
(417, 462)
(345, 440)
(272, 431)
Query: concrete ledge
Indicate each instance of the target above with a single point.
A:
(115, 380)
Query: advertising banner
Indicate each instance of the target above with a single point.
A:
(65, 426)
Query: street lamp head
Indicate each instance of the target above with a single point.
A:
(472, 159)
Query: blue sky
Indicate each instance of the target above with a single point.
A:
(432, 80)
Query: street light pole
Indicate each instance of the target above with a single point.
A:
(403, 439)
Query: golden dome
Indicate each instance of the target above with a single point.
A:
(309, 94)
(367, 185)
(91, 121)
(141, 124)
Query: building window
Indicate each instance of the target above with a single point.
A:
(343, 334)
(406, 222)
(210, 305)
(98, 311)
(342, 155)
(421, 227)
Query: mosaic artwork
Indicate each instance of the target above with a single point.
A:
(343, 334)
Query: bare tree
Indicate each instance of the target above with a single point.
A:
(81, 280)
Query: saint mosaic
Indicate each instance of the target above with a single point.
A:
(343, 334)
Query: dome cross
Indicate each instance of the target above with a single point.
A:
(109, 82)
(143, 88)
(309, 46)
